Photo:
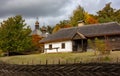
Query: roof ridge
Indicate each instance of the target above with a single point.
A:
(100, 23)
(97, 24)
(106, 23)
(68, 28)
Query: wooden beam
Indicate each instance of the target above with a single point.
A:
(82, 44)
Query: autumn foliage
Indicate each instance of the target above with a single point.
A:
(89, 19)
(36, 39)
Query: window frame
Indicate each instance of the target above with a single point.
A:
(50, 46)
(63, 45)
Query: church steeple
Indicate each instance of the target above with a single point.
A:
(37, 24)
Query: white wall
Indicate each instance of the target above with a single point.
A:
(68, 47)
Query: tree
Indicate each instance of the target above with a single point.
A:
(61, 24)
(117, 16)
(90, 19)
(14, 35)
(78, 14)
(56, 28)
(108, 14)
(91, 45)
(49, 29)
(98, 45)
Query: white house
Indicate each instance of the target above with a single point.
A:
(75, 39)
(64, 46)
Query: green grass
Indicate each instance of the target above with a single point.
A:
(54, 58)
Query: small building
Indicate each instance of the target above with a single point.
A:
(75, 39)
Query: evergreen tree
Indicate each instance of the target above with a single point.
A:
(117, 16)
(78, 14)
(49, 29)
(108, 14)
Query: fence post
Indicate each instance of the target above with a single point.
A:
(27, 63)
(46, 62)
(53, 61)
(81, 60)
(66, 61)
(74, 61)
(32, 62)
(59, 61)
(40, 62)
(117, 59)
(22, 62)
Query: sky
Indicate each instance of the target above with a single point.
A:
(49, 12)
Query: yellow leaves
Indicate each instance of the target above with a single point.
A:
(56, 28)
(89, 19)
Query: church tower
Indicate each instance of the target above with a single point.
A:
(36, 24)
(37, 35)
(36, 31)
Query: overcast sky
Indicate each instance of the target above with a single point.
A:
(49, 12)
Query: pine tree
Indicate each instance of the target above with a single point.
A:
(108, 14)
(78, 14)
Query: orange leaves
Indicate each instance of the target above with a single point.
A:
(89, 19)
(36, 39)
(67, 26)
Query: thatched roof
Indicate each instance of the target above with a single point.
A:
(94, 30)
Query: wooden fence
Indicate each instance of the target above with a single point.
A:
(78, 69)
(67, 61)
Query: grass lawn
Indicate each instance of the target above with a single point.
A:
(62, 57)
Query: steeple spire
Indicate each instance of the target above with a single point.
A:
(37, 23)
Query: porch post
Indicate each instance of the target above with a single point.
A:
(82, 45)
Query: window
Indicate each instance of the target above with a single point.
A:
(50, 46)
(63, 45)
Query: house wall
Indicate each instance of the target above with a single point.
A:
(55, 45)
(113, 41)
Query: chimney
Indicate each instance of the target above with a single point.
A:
(80, 23)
